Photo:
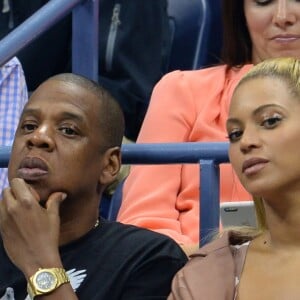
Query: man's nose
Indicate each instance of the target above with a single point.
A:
(41, 137)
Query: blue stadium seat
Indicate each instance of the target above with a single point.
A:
(214, 42)
(115, 202)
(193, 22)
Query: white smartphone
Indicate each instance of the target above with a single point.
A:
(241, 213)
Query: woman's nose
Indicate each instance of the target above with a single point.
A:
(284, 14)
(249, 140)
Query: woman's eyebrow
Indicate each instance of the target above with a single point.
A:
(256, 111)
(232, 121)
(263, 107)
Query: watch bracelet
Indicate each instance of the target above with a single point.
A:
(59, 273)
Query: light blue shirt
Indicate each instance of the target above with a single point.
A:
(13, 96)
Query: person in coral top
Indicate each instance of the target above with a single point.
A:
(191, 106)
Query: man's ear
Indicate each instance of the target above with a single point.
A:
(111, 165)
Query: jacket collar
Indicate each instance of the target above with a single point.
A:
(225, 239)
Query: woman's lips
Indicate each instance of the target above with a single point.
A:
(32, 168)
(289, 38)
(253, 165)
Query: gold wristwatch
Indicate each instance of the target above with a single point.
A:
(45, 281)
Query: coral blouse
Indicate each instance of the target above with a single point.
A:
(186, 106)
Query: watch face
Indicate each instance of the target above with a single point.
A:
(45, 281)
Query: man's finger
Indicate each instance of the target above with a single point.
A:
(21, 190)
(54, 202)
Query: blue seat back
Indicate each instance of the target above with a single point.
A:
(115, 202)
(192, 24)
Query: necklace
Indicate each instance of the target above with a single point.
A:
(97, 223)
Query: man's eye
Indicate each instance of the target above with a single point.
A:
(271, 122)
(68, 131)
(234, 135)
(28, 127)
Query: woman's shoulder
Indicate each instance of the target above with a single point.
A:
(207, 74)
(211, 271)
(223, 249)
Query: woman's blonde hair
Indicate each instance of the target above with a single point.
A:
(285, 68)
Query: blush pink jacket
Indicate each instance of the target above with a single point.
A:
(214, 271)
(186, 106)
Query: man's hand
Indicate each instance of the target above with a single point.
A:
(30, 232)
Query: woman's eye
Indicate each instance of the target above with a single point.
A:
(234, 135)
(271, 122)
(263, 2)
